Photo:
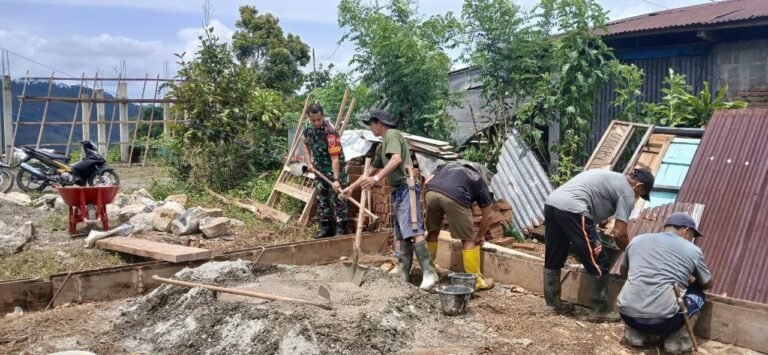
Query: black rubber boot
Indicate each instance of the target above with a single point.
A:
(598, 297)
(552, 293)
(405, 260)
(342, 228)
(326, 230)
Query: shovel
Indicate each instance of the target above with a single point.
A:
(373, 225)
(357, 272)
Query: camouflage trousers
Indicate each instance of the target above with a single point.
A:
(328, 204)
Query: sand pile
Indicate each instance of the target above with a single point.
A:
(385, 315)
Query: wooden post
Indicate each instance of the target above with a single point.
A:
(122, 93)
(101, 119)
(7, 119)
(149, 128)
(166, 118)
(21, 106)
(137, 121)
(86, 117)
(74, 116)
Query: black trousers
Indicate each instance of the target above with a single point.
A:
(564, 229)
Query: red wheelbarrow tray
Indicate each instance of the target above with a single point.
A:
(77, 198)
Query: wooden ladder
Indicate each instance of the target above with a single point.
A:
(302, 187)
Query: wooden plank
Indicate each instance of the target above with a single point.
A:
(638, 150)
(614, 140)
(154, 250)
(293, 191)
(729, 322)
(29, 294)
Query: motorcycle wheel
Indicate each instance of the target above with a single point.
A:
(106, 178)
(30, 182)
(6, 180)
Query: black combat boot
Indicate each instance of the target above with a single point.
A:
(326, 230)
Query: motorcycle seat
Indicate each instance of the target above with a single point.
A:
(60, 157)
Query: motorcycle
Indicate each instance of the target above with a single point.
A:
(6, 178)
(52, 168)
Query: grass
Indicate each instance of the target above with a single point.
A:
(57, 221)
(43, 263)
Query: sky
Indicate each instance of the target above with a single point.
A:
(88, 36)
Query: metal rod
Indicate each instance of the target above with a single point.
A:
(45, 112)
(236, 291)
(149, 131)
(74, 117)
(104, 100)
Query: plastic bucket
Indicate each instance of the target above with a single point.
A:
(463, 279)
(454, 299)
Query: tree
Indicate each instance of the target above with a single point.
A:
(331, 94)
(260, 44)
(233, 128)
(401, 59)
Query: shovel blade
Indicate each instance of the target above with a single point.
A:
(324, 293)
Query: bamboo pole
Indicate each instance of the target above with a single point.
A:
(121, 91)
(346, 119)
(236, 291)
(341, 108)
(18, 116)
(74, 117)
(138, 119)
(45, 112)
(149, 131)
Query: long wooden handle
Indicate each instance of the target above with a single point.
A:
(412, 198)
(361, 213)
(350, 199)
(236, 291)
(687, 321)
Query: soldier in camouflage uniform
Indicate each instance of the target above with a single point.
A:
(323, 153)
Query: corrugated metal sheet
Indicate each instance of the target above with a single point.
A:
(522, 182)
(697, 69)
(730, 176)
(472, 115)
(699, 15)
(651, 220)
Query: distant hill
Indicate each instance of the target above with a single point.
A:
(58, 112)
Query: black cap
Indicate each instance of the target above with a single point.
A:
(381, 116)
(645, 177)
(682, 219)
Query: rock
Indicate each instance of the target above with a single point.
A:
(189, 222)
(142, 221)
(166, 214)
(522, 341)
(142, 192)
(127, 212)
(59, 204)
(3, 227)
(47, 200)
(16, 198)
(236, 223)
(11, 244)
(140, 200)
(121, 200)
(27, 231)
(113, 213)
(213, 227)
(180, 199)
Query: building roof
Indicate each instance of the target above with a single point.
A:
(705, 15)
(730, 176)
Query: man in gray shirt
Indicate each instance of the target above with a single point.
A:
(653, 263)
(571, 214)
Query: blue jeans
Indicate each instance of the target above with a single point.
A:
(402, 212)
(694, 302)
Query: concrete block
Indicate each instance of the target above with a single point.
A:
(759, 70)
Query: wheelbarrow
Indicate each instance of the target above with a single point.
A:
(87, 204)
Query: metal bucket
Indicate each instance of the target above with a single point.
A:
(454, 299)
(463, 279)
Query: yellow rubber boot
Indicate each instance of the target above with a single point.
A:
(472, 266)
(432, 246)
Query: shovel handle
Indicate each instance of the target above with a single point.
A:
(412, 198)
(350, 199)
(684, 311)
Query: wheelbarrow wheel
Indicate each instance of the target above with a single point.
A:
(6, 180)
(105, 178)
(30, 182)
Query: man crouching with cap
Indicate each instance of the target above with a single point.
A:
(392, 159)
(654, 262)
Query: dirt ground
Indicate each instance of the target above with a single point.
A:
(385, 315)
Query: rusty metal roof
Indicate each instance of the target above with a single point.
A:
(708, 14)
(651, 220)
(730, 176)
(522, 182)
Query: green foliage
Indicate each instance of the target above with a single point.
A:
(319, 78)
(402, 61)
(234, 127)
(260, 44)
(113, 154)
(331, 95)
